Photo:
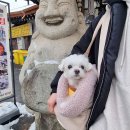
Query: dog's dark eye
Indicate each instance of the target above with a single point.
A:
(69, 66)
(82, 67)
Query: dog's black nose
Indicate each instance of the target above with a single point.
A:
(76, 71)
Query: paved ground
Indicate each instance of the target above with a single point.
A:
(24, 121)
(17, 70)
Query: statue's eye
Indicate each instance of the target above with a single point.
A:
(82, 67)
(62, 3)
(69, 66)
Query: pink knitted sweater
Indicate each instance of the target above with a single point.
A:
(73, 106)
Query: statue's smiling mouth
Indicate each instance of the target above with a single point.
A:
(53, 21)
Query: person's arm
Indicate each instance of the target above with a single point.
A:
(118, 18)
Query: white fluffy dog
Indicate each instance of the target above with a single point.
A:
(74, 68)
(72, 111)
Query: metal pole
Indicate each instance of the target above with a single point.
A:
(11, 53)
(83, 6)
(28, 2)
(90, 12)
(91, 7)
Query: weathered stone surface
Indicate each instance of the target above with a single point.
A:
(24, 123)
(47, 122)
(59, 25)
(37, 93)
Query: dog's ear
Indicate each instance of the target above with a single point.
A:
(89, 67)
(61, 65)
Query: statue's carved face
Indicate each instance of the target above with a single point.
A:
(57, 18)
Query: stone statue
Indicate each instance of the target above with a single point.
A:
(59, 25)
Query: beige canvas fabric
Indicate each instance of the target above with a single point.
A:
(104, 30)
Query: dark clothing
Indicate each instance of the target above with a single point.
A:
(115, 30)
(110, 2)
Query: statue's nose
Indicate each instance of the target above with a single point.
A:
(52, 11)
